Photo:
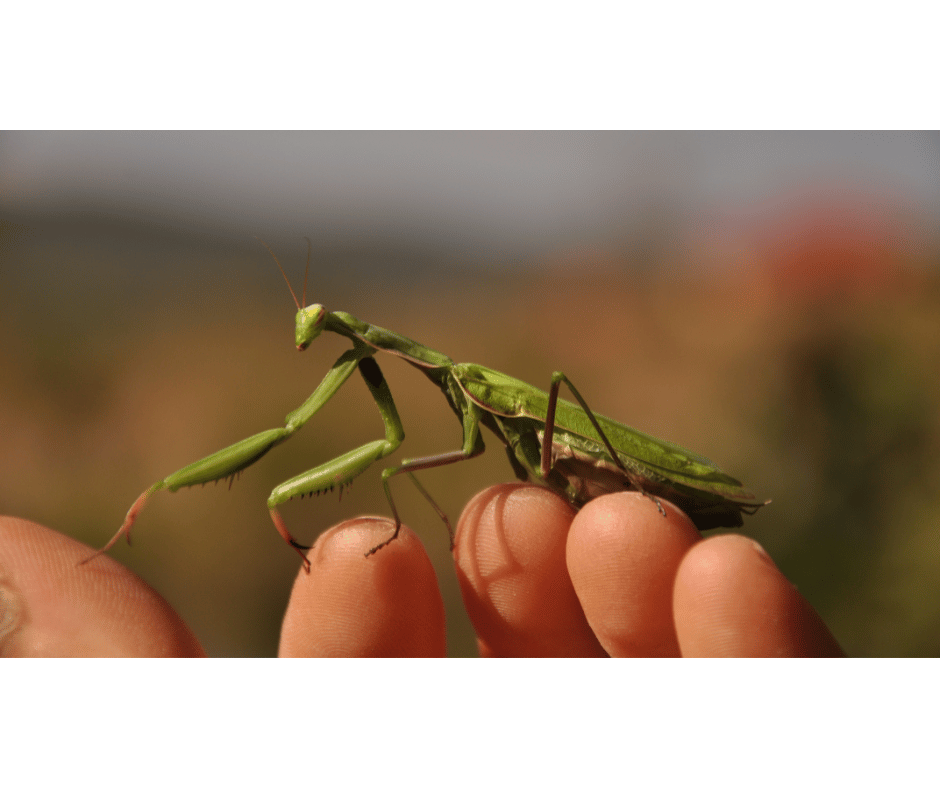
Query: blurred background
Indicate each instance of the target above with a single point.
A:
(769, 300)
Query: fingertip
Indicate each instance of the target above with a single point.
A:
(57, 605)
(730, 599)
(385, 605)
(510, 560)
(623, 554)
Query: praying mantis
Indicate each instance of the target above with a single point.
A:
(547, 439)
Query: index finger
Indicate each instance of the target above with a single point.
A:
(349, 605)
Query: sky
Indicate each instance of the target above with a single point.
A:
(509, 195)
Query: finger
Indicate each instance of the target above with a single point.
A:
(52, 607)
(510, 555)
(623, 555)
(386, 605)
(731, 600)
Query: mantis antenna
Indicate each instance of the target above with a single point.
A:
(306, 272)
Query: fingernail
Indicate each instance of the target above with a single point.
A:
(759, 549)
(12, 613)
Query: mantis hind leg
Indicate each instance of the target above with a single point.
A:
(557, 379)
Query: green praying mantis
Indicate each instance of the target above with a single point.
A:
(555, 442)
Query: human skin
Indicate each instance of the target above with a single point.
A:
(538, 579)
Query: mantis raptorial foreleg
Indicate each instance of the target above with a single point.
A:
(344, 469)
(337, 472)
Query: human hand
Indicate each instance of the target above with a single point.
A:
(618, 578)
(537, 579)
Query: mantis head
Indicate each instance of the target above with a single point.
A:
(310, 320)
